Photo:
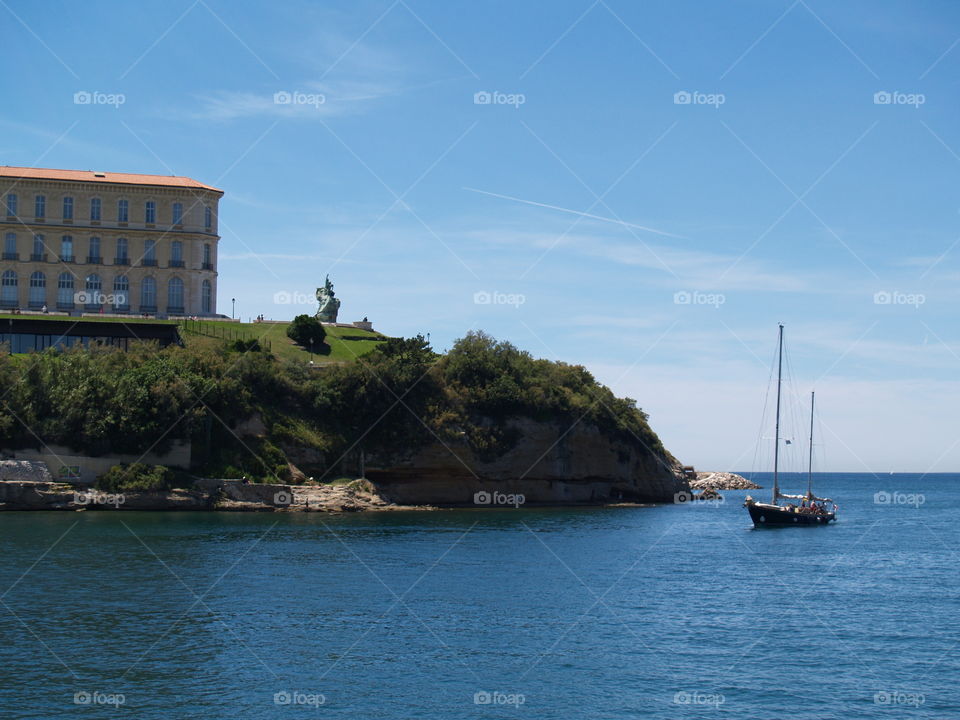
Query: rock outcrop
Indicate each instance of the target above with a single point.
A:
(722, 481)
(552, 464)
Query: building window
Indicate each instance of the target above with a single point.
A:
(8, 293)
(121, 292)
(39, 248)
(176, 253)
(206, 297)
(65, 290)
(40, 206)
(38, 289)
(123, 211)
(68, 208)
(92, 287)
(178, 213)
(207, 217)
(148, 294)
(149, 211)
(11, 204)
(149, 252)
(206, 257)
(95, 209)
(66, 248)
(10, 246)
(122, 255)
(175, 295)
(94, 255)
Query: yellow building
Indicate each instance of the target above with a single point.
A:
(102, 242)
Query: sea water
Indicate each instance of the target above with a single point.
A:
(670, 611)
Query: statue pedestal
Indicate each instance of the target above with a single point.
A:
(363, 325)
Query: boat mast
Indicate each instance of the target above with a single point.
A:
(810, 459)
(776, 439)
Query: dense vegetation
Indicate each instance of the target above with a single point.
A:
(397, 397)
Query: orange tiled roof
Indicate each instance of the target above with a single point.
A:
(102, 177)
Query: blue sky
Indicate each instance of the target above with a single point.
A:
(584, 202)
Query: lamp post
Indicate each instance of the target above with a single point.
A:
(233, 309)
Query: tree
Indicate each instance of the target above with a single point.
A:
(307, 332)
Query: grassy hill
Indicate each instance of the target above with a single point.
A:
(342, 344)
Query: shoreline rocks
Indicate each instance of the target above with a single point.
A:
(722, 481)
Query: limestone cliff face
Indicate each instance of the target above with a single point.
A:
(551, 464)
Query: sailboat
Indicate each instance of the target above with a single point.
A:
(811, 510)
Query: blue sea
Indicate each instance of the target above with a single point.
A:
(665, 612)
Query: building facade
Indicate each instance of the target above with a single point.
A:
(101, 242)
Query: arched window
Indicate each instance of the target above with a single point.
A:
(176, 253)
(94, 255)
(122, 257)
(148, 295)
(65, 290)
(175, 295)
(207, 217)
(121, 293)
(10, 246)
(207, 265)
(38, 289)
(39, 248)
(206, 297)
(8, 289)
(66, 248)
(92, 286)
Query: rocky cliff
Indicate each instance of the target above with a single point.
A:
(550, 464)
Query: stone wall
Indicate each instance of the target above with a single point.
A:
(66, 465)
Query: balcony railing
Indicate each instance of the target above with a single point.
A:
(176, 263)
(8, 303)
(121, 261)
(38, 257)
(65, 305)
(148, 308)
(174, 310)
(149, 262)
(68, 258)
(207, 266)
(11, 256)
(94, 260)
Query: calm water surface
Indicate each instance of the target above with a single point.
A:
(671, 611)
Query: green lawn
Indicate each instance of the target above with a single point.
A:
(342, 344)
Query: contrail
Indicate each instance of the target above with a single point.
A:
(575, 212)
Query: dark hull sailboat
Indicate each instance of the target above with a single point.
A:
(765, 514)
(812, 510)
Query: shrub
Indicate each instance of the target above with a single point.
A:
(137, 476)
(307, 332)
